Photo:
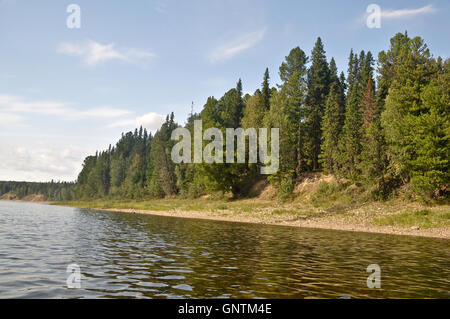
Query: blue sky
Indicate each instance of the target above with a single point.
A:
(65, 93)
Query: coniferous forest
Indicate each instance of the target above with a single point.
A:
(383, 125)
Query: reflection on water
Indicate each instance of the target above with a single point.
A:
(132, 255)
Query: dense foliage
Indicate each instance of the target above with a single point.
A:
(382, 129)
(54, 191)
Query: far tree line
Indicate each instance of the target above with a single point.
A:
(384, 126)
(53, 191)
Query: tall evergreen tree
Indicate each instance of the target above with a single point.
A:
(266, 90)
(294, 62)
(360, 73)
(430, 166)
(162, 182)
(350, 143)
(318, 83)
(352, 69)
(231, 107)
(373, 154)
(254, 112)
(366, 72)
(291, 101)
(333, 122)
(414, 132)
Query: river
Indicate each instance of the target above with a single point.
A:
(123, 255)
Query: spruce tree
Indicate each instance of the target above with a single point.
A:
(333, 122)
(318, 83)
(294, 62)
(331, 130)
(350, 142)
(291, 102)
(412, 74)
(430, 167)
(373, 154)
(231, 107)
(254, 112)
(266, 90)
(416, 120)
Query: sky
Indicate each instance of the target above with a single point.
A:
(67, 92)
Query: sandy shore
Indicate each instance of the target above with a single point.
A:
(328, 222)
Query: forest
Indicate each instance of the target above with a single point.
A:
(52, 191)
(383, 126)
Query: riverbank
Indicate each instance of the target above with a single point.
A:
(35, 198)
(391, 217)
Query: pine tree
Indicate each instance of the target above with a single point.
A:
(360, 73)
(231, 107)
(369, 104)
(333, 122)
(366, 72)
(352, 69)
(291, 102)
(257, 105)
(254, 112)
(294, 62)
(239, 112)
(162, 181)
(318, 83)
(350, 143)
(430, 167)
(403, 104)
(266, 90)
(373, 154)
(415, 120)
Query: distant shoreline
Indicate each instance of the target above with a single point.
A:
(362, 222)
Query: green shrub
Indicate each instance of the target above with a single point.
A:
(328, 193)
(285, 189)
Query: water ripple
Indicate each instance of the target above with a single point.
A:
(140, 256)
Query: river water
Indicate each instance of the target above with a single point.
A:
(122, 255)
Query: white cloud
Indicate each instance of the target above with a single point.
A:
(9, 118)
(15, 104)
(403, 13)
(93, 53)
(232, 48)
(41, 162)
(122, 123)
(11, 105)
(151, 121)
(103, 112)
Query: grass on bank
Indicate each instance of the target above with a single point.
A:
(420, 218)
(172, 204)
